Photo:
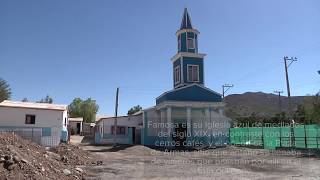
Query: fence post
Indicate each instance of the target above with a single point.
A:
(292, 138)
(229, 136)
(305, 137)
(32, 135)
(262, 137)
(317, 136)
(280, 136)
(248, 135)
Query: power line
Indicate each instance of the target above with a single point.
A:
(225, 88)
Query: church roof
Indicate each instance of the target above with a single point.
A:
(186, 21)
(192, 92)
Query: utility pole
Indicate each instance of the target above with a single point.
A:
(225, 88)
(319, 90)
(115, 118)
(291, 60)
(279, 100)
(286, 65)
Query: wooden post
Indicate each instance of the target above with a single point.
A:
(115, 118)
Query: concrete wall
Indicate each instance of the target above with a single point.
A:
(150, 130)
(106, 137)
(73, 125)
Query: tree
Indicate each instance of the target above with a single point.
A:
(134, 109)
(5, 91)
(300, 114)
(25, 100)
(75, 108)
(47, 99)
(86, 109)
(310, 110)
(315, 115)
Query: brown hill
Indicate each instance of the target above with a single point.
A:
(259, 103)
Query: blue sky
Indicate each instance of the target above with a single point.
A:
(82, 48)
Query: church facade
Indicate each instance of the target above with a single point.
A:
(189, 115)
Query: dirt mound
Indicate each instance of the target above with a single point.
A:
(71, 154)
(22, 159)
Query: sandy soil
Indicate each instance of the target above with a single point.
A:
(139, 162)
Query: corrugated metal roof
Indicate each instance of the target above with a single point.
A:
(32, 105)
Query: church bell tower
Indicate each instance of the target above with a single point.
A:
(187, 63)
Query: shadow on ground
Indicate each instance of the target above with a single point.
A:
(113, 148)
(87, 140)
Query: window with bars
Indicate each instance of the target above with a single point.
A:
(193, 73)
(30, 119)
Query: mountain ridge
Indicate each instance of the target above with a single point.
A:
(258, 103)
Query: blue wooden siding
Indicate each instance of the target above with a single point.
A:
(183, 42)
(192, 61)
(191, 93)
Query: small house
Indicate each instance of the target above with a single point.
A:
(40, 122)
(128, 129)
(75, 125)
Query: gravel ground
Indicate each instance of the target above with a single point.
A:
(139, 162)
(22, 159)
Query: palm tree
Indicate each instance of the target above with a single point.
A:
(5, 91)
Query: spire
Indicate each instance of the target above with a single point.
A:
(186, 21)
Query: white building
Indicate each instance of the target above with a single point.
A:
(75, 125)
(128, 129)
(42, 123)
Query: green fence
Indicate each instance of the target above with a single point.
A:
(302, 136)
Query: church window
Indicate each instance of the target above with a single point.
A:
(177, 75)
(193, 73)
(191, 43)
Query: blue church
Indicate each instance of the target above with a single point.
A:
(189, 115)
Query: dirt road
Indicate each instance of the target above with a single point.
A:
(139, 162)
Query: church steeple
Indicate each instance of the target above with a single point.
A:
(187, 63)
(186, 21)
(187, 36)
